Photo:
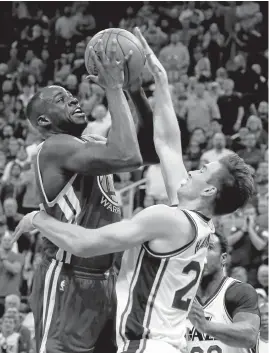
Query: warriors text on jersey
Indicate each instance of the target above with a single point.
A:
(231, 297)
(155, 291)
(85, 200)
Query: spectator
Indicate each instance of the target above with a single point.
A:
(262, 297)
(213, 43)
(102, 121)
(199, 111)
(231, 109)
(247, 244)
(24, 332)
(155, 189)
(30, 200)
(198, 135)
(263, 338)
(10, 210)
(263, 277)
(12, 301)
(251, 154)
(263, 114)
(238, 140)
(11, 188)
(202, 68)
(177, 51)
(255, 127)
(218, 151)
(10, 271)
(5, 232)
(239, 273)
(9, 338)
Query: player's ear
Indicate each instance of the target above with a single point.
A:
(43, 121)
(223, 259)
(209, 191)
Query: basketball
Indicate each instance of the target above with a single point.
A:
(126, 41)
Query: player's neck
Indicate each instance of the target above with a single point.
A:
(209, 285)
(194, 206)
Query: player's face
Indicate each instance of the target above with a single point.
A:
(63, 109)
(198, 181)
(214, 261)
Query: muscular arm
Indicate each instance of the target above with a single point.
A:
(120, 152)
(167, 139)
(145, 226)
(145, 127)
(242, 304)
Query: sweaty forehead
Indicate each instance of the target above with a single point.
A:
(52, 91)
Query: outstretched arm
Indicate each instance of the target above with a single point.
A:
(145, 226)
(167, 136)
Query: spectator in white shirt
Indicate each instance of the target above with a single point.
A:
(218, 151)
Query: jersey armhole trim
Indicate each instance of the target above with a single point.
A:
(224, 304)
(61, 193)
(177, 251)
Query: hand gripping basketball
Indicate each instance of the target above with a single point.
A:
(154, 65)
(110, 71)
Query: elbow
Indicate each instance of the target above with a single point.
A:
(251, 338)
(134, 161)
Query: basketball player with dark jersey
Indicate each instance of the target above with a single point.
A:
(72, 297)
(165, 247)
(225, 317)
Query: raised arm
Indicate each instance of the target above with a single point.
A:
(120, 152)
(145, 124)
(167, 136)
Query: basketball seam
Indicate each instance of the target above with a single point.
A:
(127, 66)
(142, 54)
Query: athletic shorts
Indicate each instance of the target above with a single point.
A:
(70, 307)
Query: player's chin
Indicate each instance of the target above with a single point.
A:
(79, 118)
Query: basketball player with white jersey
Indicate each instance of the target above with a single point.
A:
(167, 246)
(263, 345)
(224, 317)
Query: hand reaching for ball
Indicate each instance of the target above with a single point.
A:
(154, 65)
(110, 71)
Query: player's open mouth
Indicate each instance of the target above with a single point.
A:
(78, 110)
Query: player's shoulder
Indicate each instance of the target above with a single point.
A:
(237, 290)
(163, 216)
(60, 144)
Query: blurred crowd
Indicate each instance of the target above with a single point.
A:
(216, 57)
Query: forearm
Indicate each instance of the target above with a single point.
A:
(10, 267)
(256, 240)
(166, 127)
(234, 238)
(235, 334)
(122, 137)
(61, 234)
(240, 115)
(145, 127)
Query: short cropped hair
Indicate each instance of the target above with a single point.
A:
(223, 242)
(235, 185)
(34, 108)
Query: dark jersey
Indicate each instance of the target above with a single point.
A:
(88, 201)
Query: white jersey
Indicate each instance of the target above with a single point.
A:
(155, 291)
(9, 344)
(215, 310)
(263, 346)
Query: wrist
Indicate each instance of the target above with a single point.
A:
(114, 89)
(208, 328)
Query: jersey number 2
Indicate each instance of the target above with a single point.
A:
(179, 302)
